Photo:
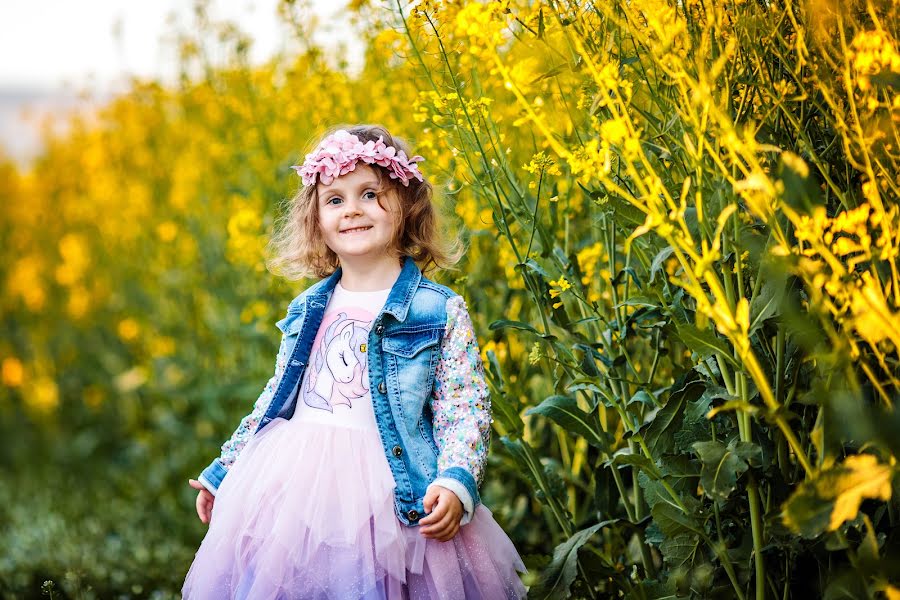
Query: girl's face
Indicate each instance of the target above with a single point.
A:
(350, 219)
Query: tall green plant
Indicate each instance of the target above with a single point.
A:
(708, 393)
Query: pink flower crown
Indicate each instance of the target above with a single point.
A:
(339, 153)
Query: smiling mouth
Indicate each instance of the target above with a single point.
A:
(355, 229)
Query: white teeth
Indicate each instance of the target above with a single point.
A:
(356, 229)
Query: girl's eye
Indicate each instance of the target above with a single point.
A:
(370, 195)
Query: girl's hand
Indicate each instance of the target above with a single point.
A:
(443, 522)
(204, 501)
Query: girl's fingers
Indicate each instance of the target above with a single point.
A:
(438, 529)
(446, 534)
(448, 520)
(200, 509)
(204, 507)
(450, 535)
(436, 515)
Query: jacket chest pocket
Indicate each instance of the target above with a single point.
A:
(290, 327)
(410, 358)
(291, 324)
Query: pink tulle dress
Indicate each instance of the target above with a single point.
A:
(307, 509)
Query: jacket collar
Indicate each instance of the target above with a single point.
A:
(398, 299)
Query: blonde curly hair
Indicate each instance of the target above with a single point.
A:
(297, 249)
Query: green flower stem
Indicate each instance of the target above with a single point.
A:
(779, 364)
(756, 372)
(534, 216)
(666, 485)
(756, 526)
(638, 504)
(534, 464)
(746, 434)
(726, 374)
(611, 261)
(617, 477)
(646, 556)
(725, 561)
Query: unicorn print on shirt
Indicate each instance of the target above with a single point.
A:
(339, 371)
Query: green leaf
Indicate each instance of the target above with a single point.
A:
(644, 464)
(506, 407)
(558, 577)
(652, 489)
(584, 383)
(517, 450)
(659, 261)
(506, 410)
(680, 549)
(801, 192)
(565, 412)
(624, 213)
(740, 405)
(534, 266)
(695, 426)
(767, 303)
(565, 353)
(704, 342)
(638, 301)
(672, 521)
(506, 324)
(643, 397)
(833, 496)
(650, 589)
(749, 452)
(723, 465)
(846, 585)
(660, 434)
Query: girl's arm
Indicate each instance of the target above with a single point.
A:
(212, 476)
(461, 405)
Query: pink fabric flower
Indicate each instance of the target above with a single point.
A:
(338, 154)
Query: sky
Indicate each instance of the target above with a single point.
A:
(53, 49)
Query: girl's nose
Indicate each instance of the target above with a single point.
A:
(351, 207)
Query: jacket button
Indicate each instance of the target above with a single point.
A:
(397, 450)
(379, 329)
(413, 515)
(381, 387)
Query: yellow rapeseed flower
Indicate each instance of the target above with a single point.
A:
(482, 25)
(872, 53)
(541, 163)
(12, 372)
(534, 357)
(74, 253)
(614, 131)
(588, 259)
(167, 230)
(44, 394)
(559, 286)
(128, 329)
(162, 345)
(25, 281)
(78, 303)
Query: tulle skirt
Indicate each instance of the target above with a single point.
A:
(307, 511)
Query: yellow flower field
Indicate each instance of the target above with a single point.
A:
(683, 234)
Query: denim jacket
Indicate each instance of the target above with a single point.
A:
(430, 398)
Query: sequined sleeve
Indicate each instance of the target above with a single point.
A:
(460, 401)
(248, 425)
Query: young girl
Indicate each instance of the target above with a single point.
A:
(356, 474)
